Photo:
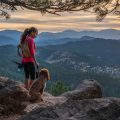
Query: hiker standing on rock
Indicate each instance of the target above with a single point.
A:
(28, 48)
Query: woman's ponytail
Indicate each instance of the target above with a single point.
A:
(23, 37)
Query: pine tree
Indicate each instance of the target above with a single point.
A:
(59, 87)
(100, 7)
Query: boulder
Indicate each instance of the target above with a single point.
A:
(86, 90)
(12, 96)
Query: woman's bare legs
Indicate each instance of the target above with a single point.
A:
(27, 84)
(30, 83)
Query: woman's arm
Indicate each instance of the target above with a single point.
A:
(37, 64)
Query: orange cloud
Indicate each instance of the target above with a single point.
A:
(76, 21)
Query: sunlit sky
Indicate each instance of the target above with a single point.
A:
(51, 23)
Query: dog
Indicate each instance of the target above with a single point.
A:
(38, 86)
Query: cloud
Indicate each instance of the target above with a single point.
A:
(76, 21)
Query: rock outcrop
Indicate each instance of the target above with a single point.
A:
(66, 105)
(88, 109)
(86, 90)
(13, 96)
(83, 103)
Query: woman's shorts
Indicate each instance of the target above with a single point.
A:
(29, 69)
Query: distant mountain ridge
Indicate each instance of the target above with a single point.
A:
(9, 37)
(14, 34)
(6, 40)
(12, 37)
(106, 34)
(62, 41)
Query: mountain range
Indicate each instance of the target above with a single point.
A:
(106, 34)
(9, 37)
(72, 62)
(12, 37)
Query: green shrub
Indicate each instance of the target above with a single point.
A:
(58, 88)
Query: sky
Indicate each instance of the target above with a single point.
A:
(78, 21)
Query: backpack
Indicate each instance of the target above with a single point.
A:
(24, 49)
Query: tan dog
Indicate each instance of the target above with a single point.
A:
(37, 88)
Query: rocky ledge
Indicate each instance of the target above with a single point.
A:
(83, 103)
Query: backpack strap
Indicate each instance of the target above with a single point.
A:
(20, 47)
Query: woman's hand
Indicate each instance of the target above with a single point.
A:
(37, 64)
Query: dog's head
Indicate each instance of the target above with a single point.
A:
(45, 73)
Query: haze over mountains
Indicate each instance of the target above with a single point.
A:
(9, 37)
(12, 37)
(107, 34)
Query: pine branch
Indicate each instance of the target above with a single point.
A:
(100, 7)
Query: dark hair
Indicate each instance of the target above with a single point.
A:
(26, 32)
(32, 29)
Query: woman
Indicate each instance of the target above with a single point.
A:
(29, 62)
